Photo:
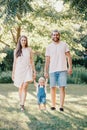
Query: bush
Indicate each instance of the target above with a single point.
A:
(79, 76)
(5, 77)
(7, 61)
(85, 62)
(78, 62)
(39, 70)
(84, 77)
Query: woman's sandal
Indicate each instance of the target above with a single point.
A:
(22, 107)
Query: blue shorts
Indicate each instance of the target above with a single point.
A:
(58, 78)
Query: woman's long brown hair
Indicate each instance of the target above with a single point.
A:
(19, 47)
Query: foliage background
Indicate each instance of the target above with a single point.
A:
(36, 20)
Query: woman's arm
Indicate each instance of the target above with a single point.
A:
(32, 63)
(36, 86)
(35, 83)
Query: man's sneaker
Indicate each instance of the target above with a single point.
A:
(53, 108)
(61, 109)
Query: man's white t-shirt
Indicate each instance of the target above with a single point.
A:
(57, 55)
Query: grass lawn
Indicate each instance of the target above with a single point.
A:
(74, 116)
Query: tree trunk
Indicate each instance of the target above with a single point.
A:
(16, 34)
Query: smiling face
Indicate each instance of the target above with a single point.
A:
(41, 83)
(55, 36)
(23, 42)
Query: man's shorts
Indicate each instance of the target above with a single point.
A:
(58, 78)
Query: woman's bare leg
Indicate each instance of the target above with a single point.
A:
(20, 93)
(24, 93)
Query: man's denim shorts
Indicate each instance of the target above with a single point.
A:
(58, 78)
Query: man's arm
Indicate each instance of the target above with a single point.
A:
(69, 62)
(46, 85)
(47, 62)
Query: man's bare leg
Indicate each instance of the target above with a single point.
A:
(62, 96)
(53, 97)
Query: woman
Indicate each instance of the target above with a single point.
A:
(23, 68)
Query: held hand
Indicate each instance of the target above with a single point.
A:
(46, 75)
(34, 75)
(70, 71)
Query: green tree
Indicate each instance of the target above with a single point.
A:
(39, 21)
(13, 11)
(80, 6)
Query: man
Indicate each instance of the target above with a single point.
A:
(57, 54)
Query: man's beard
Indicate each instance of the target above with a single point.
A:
(56, 40)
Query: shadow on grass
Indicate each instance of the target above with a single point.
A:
(9, 125)
(11, 118)
(59, 121)
(79, 119)
(47, 121)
